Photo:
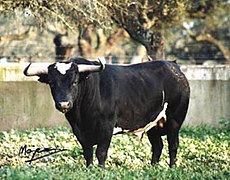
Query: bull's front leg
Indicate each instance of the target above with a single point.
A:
(88, 154)
(87, 148)
(103, 146)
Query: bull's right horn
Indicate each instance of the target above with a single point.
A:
(35, 72)
(92, 68)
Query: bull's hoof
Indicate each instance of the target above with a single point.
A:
(172, 165)
(154, 163)
(101, 166)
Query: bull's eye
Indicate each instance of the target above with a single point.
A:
(74, 83)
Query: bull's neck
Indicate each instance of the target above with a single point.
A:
(90, 93)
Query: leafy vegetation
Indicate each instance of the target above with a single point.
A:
(203, 154)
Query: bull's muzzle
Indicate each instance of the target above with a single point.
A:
(64, 106)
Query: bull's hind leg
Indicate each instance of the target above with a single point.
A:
(175, 121)
(173, 142)
(157, 144)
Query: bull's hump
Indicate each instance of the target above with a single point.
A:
(63, 67)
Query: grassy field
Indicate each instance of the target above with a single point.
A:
(203, 154)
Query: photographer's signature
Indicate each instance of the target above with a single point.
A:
(24, 150)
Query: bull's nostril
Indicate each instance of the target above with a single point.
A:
(65, 105)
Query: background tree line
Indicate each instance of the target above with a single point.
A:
(192, 31)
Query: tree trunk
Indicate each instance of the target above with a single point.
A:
(152, 41)
(98, 44)
(62, 51)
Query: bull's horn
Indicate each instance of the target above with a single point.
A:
(92, 68)
(35, 72)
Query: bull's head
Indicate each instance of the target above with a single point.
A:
(64, 80)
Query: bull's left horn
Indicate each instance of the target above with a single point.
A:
(35, 72)
(92, 68)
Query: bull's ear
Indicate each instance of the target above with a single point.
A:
(43, 78)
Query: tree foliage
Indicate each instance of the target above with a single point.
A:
(143, 20)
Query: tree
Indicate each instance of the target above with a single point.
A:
(143, 20)
(210, 32)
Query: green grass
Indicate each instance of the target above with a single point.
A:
(203, 154)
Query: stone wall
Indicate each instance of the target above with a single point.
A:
(26, 103)
(210, 94)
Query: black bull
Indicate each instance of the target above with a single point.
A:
(96, 98)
